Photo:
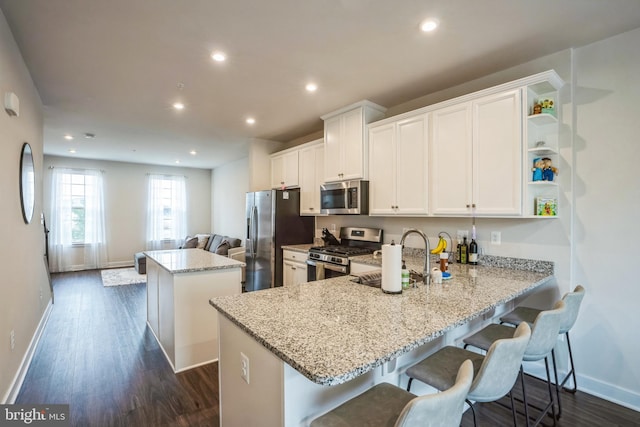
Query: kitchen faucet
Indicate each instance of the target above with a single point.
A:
(426, 274)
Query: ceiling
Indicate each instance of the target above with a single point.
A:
(114, 68)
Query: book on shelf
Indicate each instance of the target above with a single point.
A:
(546, 206)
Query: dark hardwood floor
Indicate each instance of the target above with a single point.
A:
(97, 355)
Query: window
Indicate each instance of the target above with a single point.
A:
(166, 210)
(77, 213)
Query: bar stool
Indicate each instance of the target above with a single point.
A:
(544, 333)
(495, 373)
(388, 405)
(572, 300)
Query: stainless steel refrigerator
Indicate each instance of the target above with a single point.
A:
(273, 220)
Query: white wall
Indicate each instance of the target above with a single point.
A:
(126, 201)
(229, 184)
(24, 285)
(607, 200)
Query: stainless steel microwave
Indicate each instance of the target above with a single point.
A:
(345, 198)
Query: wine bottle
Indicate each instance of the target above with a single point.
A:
(464, 251)
(473, 252)
(473, 248)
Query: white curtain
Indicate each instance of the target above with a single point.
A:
(166, 211)
(91, 252)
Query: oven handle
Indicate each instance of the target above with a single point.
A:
(328, 266)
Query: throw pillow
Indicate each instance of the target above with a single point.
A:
(223, 248)
(190, 242)
(202, 240)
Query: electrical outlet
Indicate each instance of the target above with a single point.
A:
(332, 228)
(13, 339)
(244, 367)
(41, 294)
(496, 237)
(462, 233)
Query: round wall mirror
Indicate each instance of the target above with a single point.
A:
(27, 183)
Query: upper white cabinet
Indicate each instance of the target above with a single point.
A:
(398, 167)
(284, 169)
(476, 154)
(311, 168)
(346, 141)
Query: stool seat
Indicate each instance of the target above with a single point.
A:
(381, 405)
(140, 262)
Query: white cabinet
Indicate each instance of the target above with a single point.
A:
(398, 167)
(284, 169)
(476, 151)
(294, 267)
(346, 141)
(311, 167)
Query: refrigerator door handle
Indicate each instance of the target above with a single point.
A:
(254, 240)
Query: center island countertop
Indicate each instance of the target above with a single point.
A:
(334, 330)
(191, 260)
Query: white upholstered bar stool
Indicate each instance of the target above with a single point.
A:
(386, 405)
(544, 334)
(572, 300)
(495, 373)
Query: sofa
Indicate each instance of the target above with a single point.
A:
(215, 243)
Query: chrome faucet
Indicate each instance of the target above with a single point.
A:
(426, 274)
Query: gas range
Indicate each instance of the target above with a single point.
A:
(324, 262)
(337, 254)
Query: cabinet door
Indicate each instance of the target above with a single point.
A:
(311, 173)
(284, 170)
(382, 170)
(332, 149)
(450, 160)
(497, 159)
(287, 273)
(277, 172)
(411, 148)
(300, 273)
(291, 169)
(353, 145)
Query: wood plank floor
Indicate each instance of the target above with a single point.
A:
(97, 355)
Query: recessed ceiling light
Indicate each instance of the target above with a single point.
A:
(177, 162)
(68, 137)
(311, 87)
(429, 25)
(193, 152)
(72, 150)
(178, 105)
(218, 56)
(250, 120)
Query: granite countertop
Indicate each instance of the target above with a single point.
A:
(334, 330)
(304, 248)
(191, 260)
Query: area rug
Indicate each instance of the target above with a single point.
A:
(122, 276)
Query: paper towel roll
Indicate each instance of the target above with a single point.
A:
(392, 269)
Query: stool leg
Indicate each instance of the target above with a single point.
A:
(513, 409)
(524, 396)
(572, 372)
(555, 374)
(409, 385)
(473, 412)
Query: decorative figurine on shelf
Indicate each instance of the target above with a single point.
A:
(538, 166)
(548, 171)
(548, 106)
(537, 108)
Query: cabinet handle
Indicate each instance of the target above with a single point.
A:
(310, 209)
(293, 268)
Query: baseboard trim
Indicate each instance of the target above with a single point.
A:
(18, 379)
(595, 387)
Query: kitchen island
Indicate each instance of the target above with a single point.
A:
(179, 284)
(288, 355)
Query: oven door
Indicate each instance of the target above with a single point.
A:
(320, 270)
